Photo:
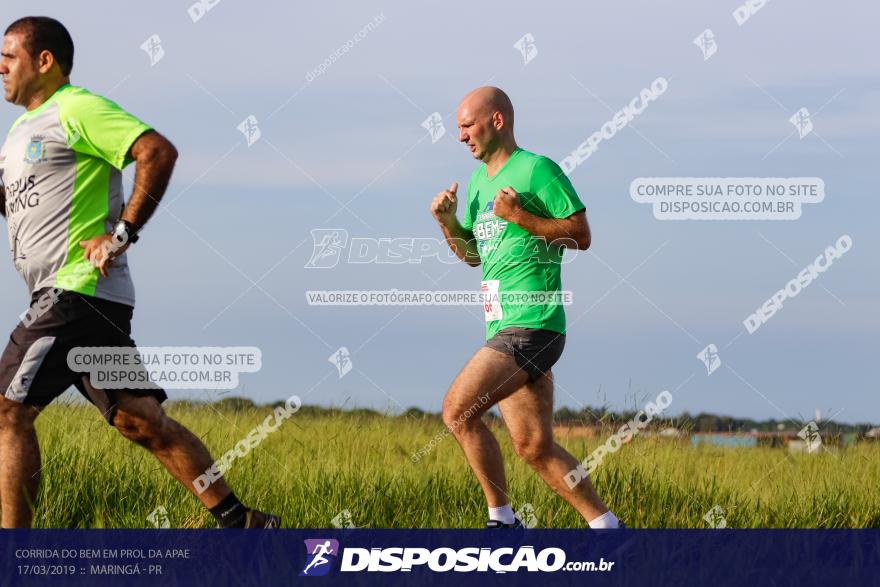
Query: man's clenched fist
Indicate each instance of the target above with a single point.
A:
(507, 204)
(445, 203)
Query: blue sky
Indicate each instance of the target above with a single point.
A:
(235, 215)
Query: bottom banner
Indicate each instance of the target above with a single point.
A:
(366, 556)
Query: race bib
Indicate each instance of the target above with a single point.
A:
(491, 299)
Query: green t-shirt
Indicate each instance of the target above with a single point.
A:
(61, 169)
(512, 257)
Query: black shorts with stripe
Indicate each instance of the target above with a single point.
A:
(33, 367)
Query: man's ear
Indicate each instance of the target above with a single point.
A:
(45, 60)
(498, 120)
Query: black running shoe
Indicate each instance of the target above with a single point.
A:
(256, 519)
(496, 524)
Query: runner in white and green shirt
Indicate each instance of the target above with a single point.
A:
(69, 228)
(61, 167)
(520, 214)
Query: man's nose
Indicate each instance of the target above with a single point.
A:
(462, 136)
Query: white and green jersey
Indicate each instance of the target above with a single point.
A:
(61, 169)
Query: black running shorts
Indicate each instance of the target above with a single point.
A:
(33, 367)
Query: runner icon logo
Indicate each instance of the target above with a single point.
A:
(318, 550)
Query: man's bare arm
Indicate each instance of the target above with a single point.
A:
(462, 242)
(154, 158)
(459, 239)
(571, 232)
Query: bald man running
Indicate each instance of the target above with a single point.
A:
(521, 213)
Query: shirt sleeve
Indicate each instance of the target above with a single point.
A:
(98, 127)
(467, 220)
(553, 189)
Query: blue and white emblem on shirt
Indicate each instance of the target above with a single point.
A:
(35, 151)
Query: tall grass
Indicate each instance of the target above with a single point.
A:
(315, 466)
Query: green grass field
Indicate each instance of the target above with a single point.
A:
(315, 466)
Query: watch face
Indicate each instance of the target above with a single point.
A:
(119, 232)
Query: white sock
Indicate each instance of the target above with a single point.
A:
(606, 520)
(503, 514)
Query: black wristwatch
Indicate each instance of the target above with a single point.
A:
(123, 232)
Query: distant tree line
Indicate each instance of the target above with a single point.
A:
(602, 417)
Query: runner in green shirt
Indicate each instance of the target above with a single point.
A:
(508, 253)
(520, 214)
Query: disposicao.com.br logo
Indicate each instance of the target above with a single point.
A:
(441, 560)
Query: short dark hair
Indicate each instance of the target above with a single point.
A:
(42, 33)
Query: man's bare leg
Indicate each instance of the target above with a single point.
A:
(528, 415)
(486, 379)
(143, 421)
(19, 463)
